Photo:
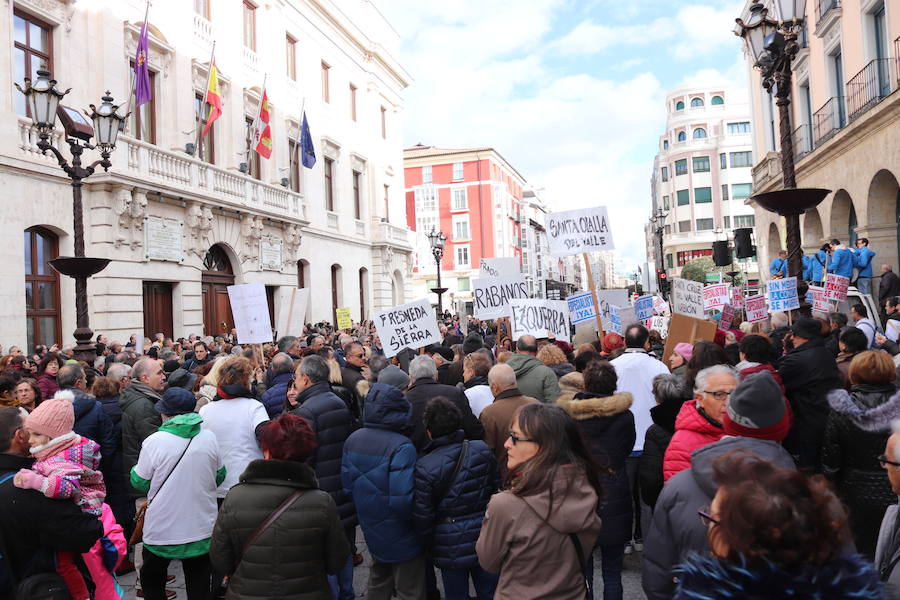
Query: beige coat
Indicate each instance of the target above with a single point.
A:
(496, 419)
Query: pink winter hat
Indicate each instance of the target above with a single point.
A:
(54, 417)
(685, 350)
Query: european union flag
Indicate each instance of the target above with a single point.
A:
(307, 150)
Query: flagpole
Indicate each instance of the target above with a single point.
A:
(251, 144)
(201, 121)
(131, 91)
(299, 138)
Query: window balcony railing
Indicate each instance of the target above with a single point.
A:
(828, 120)
(877, 80)
(823, 8)
(802, 141)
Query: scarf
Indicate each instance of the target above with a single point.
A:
(55, 446)
(508, 393)
(477, 380)
(146, 390)
(232, 390)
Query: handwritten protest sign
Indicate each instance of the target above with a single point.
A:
(836, 287)
(615, 321)
(581, 307)
(577, 231)
(715, 296)
(818, 300)
(499, 267)
(737, 296)
(660, 305)
(343, 318)
(643, 307)
(292, 303)
(783, 294)
(756, 308)
(492, 295)
(660, 324)
(687, 298)
(410, 325)
(608, 298)
(726, 318)
(540, 318)
(250, 309)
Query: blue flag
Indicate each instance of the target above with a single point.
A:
(307, 150)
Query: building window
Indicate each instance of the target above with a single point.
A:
(679, 105)
(426, 200)
(383, 123)
(665, 203)
(357, 197)
(739, 191)
(664, 172)
(683, 197)
(682, 136)
(253, 163)
(291, 49)
(696, 102)
(702, 195)
(739, 128)
(426, 174)
(387, 202)
(687, 256)
(457, 171)
(668, 231)
(717, 101)
(201, 7)
(684, 226)
(32, 50)
(724, 192)
(464, 284)
(326, 95)
(741, 159)
(723, 161)
(41, 288)
(329, 185)
(461, 228)
(294, 161)
(701, 164)
(206, 151)
(681, 167)
(250, 25)
(669, 261)
(704, 224)
(741, 221)
(460, 199)
(462, 257)
(352, 102)
(699, 133)
(726, 222)
(665, 144)
(142, 123)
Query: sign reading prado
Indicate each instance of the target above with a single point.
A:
(411, 325)
(578, 231)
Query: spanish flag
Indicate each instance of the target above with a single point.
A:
(263, 133)
(213, 97)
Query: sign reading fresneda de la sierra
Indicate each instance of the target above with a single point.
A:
(580, 230)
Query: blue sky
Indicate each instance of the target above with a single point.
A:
(571, 92)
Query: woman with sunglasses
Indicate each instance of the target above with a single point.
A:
(539, 532)
(774, 533)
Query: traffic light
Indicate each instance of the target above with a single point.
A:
(662, 281)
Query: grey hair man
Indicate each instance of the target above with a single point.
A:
(121, 373)
(497, 416)
(282, 375)
(289, 344)
(139, 416)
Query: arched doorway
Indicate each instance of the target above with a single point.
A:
(216, 276)
(812, 229)
(883, 202)
(843, 218)
(774, 244)
(397, 288)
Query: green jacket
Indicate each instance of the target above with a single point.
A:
(139, 420)
(534, 378)
(290, 559)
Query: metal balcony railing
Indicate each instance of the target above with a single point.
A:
(867, 88)
(828, 120)
(802, 141)
(823, 7)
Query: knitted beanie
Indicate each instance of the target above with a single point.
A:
(54, 417)
(685, 350)
(757, 408)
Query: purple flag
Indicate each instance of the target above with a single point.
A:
(143, 93)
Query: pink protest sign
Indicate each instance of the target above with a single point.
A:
(727, 317)
(737, 296)
(756, 308)
(836, 287)
(715, 296)
(819, 302)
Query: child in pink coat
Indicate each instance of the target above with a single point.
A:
(66, 467)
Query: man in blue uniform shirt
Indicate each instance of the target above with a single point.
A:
(863, 262)
(779, 266)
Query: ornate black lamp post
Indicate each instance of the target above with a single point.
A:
(437, 239)
(659, 221)
(44, 102)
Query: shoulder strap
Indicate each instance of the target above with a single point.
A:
(463, 452)
(588, 577)
(265, 525)
(169, 474)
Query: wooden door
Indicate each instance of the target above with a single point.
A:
(217, 318)
(158, 308)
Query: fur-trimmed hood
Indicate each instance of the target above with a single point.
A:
(848, 576)
(588, 408)
(861, 408)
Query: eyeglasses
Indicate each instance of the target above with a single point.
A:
(883, 460)
(719, 395)
(706, 518)
(516, 439)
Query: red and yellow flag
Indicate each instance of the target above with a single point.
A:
(263, 130)
(213, 97)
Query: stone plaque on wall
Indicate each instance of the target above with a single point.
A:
(270, 254)
(163, 239)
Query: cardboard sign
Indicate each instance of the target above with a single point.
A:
(836, 287)
(250, 309)
(818, 300)
(500, 267)
(491, 295)
(660, 324)
(343, 318)
(540, 318)
(608, 298)
(292, 303)
(756, 309)
(737, 296)
(577, 231)
(581, 307)
(411, 325)
(783, 294)
(715, 296)
(727, 317)
(689, 330)
(643, 308)
(687, 298)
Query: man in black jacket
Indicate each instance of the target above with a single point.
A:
(33, 526)
(423, 387)
(356, 369)
(890, 284)
(808, 372)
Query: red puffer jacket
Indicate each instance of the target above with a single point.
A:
(692, 431)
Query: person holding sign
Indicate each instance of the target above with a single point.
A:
(779, 266)
(842, 259)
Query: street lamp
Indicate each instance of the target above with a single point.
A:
(659, 220)
(43, 99)
(437, 239)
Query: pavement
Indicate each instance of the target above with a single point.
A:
(631, 577)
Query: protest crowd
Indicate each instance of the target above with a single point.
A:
(745, 460)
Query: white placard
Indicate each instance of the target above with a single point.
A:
(819, 302)
(163, 239)
(607, 299)
(270, 254)
(500, 267)
(715, 296)
(660, 305)
(491, 295)
(250, 309)
(660, 324)
(292, 303)
(756, 309)
(615, 319)
(581, 307)
(836, 287)
(412, 325)
(643, 308)
(783, 294)
(687, 298)
(539, 318)
(577, 231)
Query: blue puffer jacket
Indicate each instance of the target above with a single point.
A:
(274, 397)
(92, 422)
(448, 515)
(378, 470)
(842, 263)
(819, 261)
(862, 260)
